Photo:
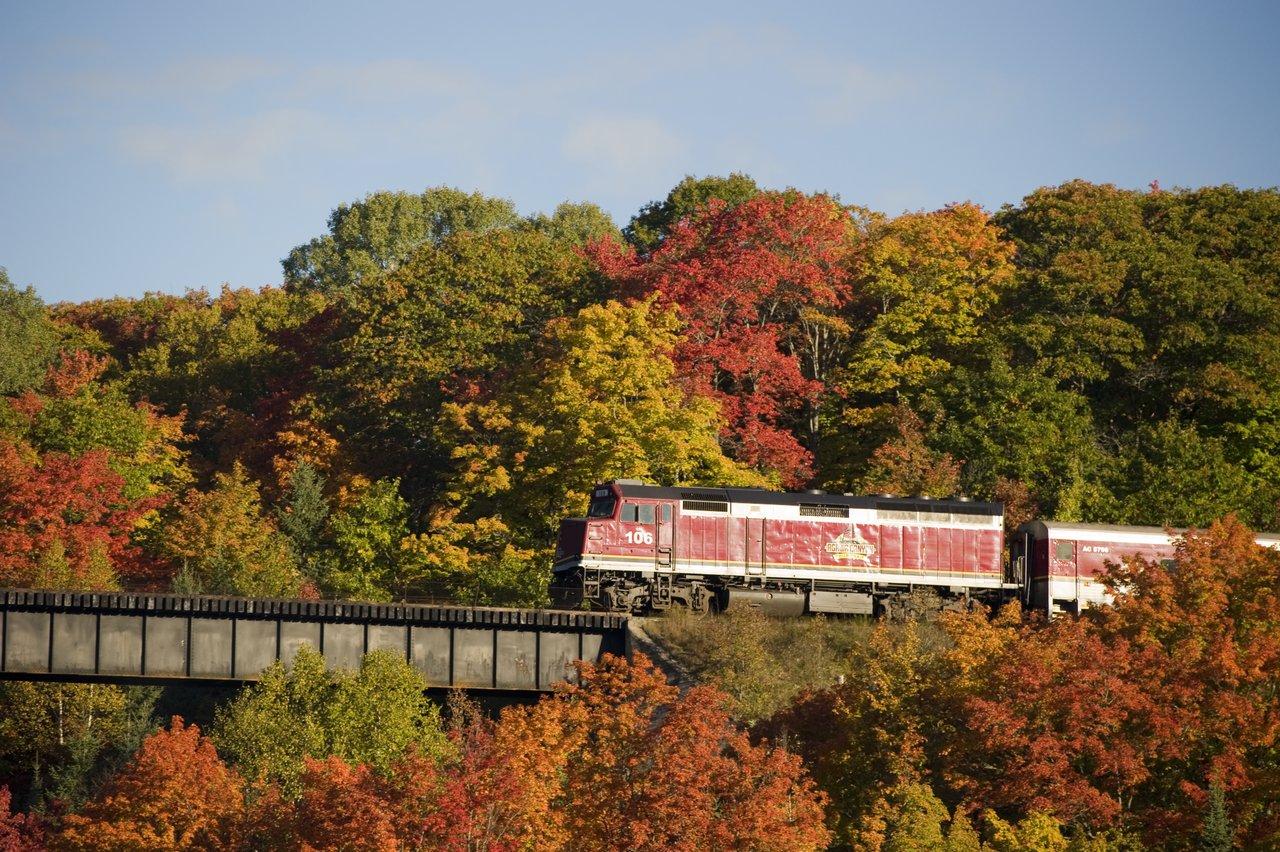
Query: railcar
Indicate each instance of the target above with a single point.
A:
(643, 547)
(1063, 563)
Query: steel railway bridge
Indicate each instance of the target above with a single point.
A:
(146, 638)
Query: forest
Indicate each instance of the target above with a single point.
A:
(439, 379)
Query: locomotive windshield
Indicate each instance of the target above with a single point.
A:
(602, 507)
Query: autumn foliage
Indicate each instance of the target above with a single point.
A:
(1122, 721)
(616, 760)
(175, 793)
(73, 505)
(440, 380)
(757, 285)
(18, 833)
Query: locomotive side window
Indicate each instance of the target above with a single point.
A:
(666, 513)
(637, 514)
(602, 507)
(1064, 550)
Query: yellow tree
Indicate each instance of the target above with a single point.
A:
(227, 545)
(596, 400)
(924, 283)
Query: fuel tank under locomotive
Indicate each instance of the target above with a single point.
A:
(789, 602)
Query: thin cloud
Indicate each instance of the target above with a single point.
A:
(196, 77)
(384, 80)
(233, 117)
(240, 151)
(839, 92)
(623, 151)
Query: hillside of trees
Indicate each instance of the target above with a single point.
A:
(439, 379)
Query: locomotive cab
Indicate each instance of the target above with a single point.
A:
(634, 533)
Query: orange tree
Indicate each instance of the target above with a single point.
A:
(1209, 627)
(175, 793)
(1130, 715)
(618, 760)
(646, 768)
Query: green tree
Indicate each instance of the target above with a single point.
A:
(1172, 475)
(78, 412)
(372, 716)
(915, 822)
(651, 224)
(380, 232)
(961, 835)
(27, 337)
(234, 367)
(369, 557)
(120, 327)
(925, 285)
(1157, 308)
(1036, 832)
(734, 653)
(479, 562)
(56, 740)
(594, 400)
(1076, 247)
(925, 288)
(1013, 425)
(575, 224)
(867, 739)
(453, 314)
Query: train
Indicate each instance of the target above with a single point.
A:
(646, 548)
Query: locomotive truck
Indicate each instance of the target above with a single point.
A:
(642, 548)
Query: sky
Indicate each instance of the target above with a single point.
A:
(166, 146)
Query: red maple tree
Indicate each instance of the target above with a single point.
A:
(76, 504)
(18, 832)
(753, 284)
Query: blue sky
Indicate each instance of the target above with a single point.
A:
(171, 145)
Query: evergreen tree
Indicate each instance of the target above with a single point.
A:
(1217, 833)
(302, 513)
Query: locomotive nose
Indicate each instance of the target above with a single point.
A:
(571, 541)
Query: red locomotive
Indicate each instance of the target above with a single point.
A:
(642, 547)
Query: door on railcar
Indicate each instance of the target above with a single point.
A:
(1064, 571)
(755, 547)
(665, 519)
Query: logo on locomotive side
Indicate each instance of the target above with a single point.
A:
(852, 547)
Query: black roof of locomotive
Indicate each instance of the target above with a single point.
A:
(953, 505)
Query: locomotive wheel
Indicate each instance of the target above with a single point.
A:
(703, 601)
